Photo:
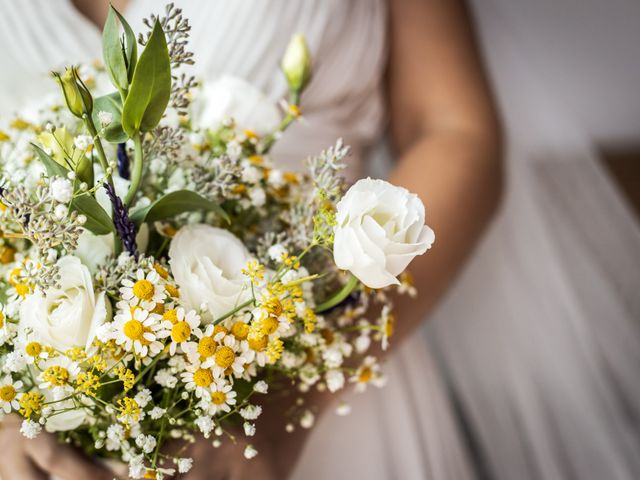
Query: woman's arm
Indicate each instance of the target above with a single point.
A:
(447, 138)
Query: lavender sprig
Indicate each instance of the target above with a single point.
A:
(125, 228)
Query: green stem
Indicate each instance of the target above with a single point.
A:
(104, 163)
(338, 296)
(102, 157)
(136, 174)
(234, 311)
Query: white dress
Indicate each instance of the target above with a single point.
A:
(540, 338)
(404, 431)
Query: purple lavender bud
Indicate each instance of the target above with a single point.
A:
(125, 228)
(123, 161)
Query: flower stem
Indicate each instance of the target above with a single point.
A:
(102, 157)
(136, 174)
(339, 296)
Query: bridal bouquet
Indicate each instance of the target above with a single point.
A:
(159, 273)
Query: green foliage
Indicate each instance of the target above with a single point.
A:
(53, 168)
(173, 204)
(98, 221)
(120, 54)
(150, 89)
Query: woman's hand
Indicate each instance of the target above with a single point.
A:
(42, 457)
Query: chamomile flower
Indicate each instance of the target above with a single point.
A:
(221, 399)
(199, 379)
(35, 351)
(58, 373)
(368, 373)
(136, 331)
(9, 394)
(146, 291)
(228, 358)
(181, 330)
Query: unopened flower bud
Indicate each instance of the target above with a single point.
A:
(296, 64)
(76, 94)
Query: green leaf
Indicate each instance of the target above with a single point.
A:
(130, 46)
(150, 89)
(114, 57)
(98, 221)
(111, 103)
(53, 168)
(173, 204)
(85, 170)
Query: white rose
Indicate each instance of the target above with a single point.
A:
(207, 264)
(69, 316)
(380, 229)
(231, 97)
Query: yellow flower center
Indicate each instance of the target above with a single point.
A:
(143, 289)
(181, 332)
(273, 306)
(218, 398)
(328, 336)
(389, 326)
(171, 315)
(240, 330)
(1, 319)
(172, 290)
(219, 328)
(134, 330)
(258, 343)
(206, 347)
(365, 375)
(33, 349)
(22, 289)
(7, 254)
(161, 271)
(158, 309)
(225, 357)
(203, 377)
(56, 376)
(269, 325)
(7, 393)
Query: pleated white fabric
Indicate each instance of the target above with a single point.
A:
(541, 336)
(404, 430)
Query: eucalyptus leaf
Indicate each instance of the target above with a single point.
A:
(150, 89)
(173, 204)
(111, 103)
(53, 168)
(114, 57)
(98, 221)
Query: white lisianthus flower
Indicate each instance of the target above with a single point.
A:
(234, 98)
(68, 316)
(380, 229)
(207, 264)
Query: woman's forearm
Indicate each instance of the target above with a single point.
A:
(457, 173)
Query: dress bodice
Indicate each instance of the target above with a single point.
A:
(246, 38)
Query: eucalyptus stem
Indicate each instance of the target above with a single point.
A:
(136, 174)
(339, 296)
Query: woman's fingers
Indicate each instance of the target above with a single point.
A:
(63, 461)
